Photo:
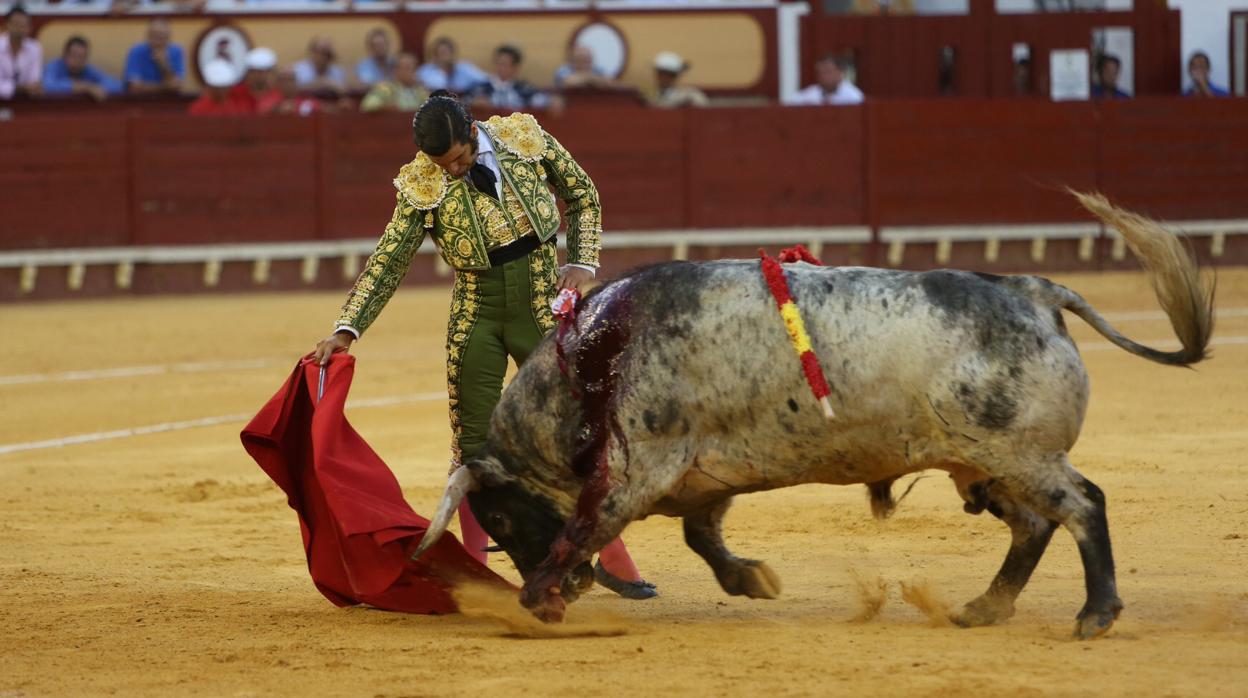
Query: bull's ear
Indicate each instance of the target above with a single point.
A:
(489, 471)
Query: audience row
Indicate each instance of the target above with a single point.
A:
(390, 80)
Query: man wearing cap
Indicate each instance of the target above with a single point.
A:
(668, 67)
(257, 93)
(482, 191)
(218, 76)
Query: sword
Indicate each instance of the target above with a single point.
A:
(320, 385)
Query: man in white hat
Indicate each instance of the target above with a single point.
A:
(258, 93)
(218, 77)
(668, 67)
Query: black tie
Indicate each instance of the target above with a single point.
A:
(483, 179)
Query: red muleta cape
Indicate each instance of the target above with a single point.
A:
(358, 530)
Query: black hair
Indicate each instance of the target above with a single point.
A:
(841, 60)
(441, 122)
(510, 50)
(1105, 58)
(1200, 54)
(16, 10)
(75, 40)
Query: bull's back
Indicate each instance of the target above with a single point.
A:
(923, 368)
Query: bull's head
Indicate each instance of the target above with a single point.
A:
(523, 522)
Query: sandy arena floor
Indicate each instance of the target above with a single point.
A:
(167, 564)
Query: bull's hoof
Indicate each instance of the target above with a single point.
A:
(1092, 623)
(750, 578)
(549, 608)
(577, 582)
(984, 610)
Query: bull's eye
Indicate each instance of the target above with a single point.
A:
(500, 524)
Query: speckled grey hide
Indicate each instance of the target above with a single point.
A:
(942, 369)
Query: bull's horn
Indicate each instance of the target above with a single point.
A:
(457, 487)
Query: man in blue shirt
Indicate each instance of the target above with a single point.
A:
(378, 66)
(155, 65)
(1107, 68)
(1198, 68)
(445, 72)
(71, 74)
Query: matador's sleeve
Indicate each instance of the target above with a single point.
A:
(583, 211)
(385, 268)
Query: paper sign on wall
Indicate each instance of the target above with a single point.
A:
(1069, 76)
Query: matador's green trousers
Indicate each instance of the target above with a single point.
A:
(496, 313)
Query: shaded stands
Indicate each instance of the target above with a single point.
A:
(173, 203)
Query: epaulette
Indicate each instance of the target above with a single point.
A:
(422, 183)
(520, 134)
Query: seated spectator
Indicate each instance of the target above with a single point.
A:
(21, 57)
(258, 93)
(292, 101)
(580, 71)
(831, 86)
(446, 72)
(1107, 69)
(215, 100)
(379, 64)
(668, 67)
(318, 72)
(1198, 67)
(157, 64)
(402, 93)
(1022, 76)
(504, 89)
(71, 74)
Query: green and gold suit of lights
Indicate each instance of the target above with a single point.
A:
(495, 311)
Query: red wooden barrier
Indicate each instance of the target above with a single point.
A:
(73, 182)
(204, 180)
(359, 155)
(637, 158)
(1174, 158)
(979, 161)
(771, 168)
(64, 182)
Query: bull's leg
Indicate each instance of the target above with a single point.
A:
(1031, 534)
(738, 577)
(1058, 492)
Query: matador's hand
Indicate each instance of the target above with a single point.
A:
(575, 277)
(338, 341)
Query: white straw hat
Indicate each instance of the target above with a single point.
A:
(670, 62)
(219, 73)
(261, 59)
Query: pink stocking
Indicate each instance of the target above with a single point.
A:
(475, 539)
(615, 559)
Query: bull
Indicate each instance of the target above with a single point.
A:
(677, 389)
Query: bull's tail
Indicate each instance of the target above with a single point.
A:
(1185, 297)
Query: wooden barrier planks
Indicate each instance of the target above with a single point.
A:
(64, 182)
(225, 179)
(1177, 158)
(980, 161)
(768, 167)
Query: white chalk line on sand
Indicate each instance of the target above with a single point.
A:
(164, 369)
(245, 364)
(195, 423)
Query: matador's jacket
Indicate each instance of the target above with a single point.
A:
(466, 225)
